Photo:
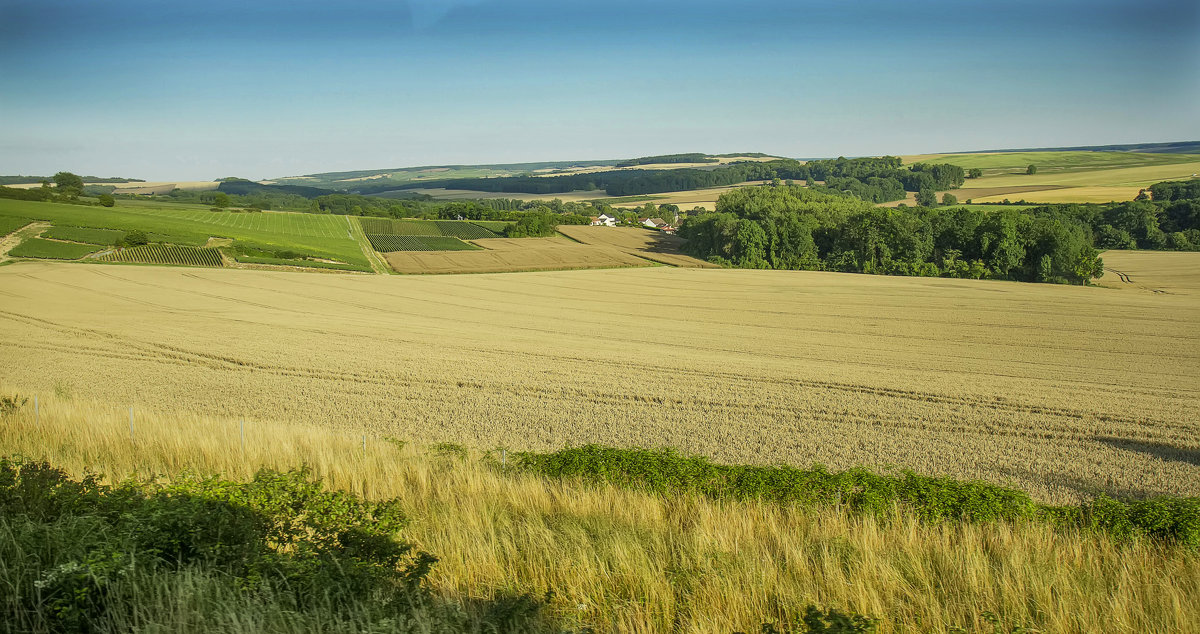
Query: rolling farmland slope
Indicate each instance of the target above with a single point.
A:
(1062, 391)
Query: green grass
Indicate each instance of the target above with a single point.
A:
(1166, 518)
(166, 254)
(495, 226)
(464, 230)
(249, 259)
(9, 224)
(85, 235)
(385, 243)
(388, 227)
(316, 234)
(39, 248)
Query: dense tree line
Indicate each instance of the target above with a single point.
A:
(1175, 190)
(873, 178)
(694, 157)
(797, 228)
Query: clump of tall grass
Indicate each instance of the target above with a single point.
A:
(621, 558)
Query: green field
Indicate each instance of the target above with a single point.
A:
(166, 254)
(313, 234)
(9, 224)
(85, 235)
(390, 243)
(495, 226)
(39, 248)
(463, 229)
(250, 259)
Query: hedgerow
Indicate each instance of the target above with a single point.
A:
(1170, 519)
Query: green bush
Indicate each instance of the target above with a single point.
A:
(1169, 519)
(278, 553)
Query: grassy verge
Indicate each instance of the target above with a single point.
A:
(313, 264)
(622, 558)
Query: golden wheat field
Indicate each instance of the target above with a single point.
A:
(624, 561)
(649, 244)
(1061, 391)
(509, 255)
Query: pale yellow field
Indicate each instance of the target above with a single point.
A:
(502, 255)
(1062, 391)
(1096, 194)
(652, 245)
(624, 561)
(154, 187)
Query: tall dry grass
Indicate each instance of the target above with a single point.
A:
(626, 561)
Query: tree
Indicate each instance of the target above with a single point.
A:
(106, 200)
(1031, 170)
(221, 200)
(70, 184)
(927, 198)
(949, 199)
(974, 172)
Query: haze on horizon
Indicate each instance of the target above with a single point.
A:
(181, 91)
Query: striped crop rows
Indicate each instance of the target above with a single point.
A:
(386, 243)
(166, 254)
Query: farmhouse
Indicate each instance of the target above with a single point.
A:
(605, 220)
(653, 223)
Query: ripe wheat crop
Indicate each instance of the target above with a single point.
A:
(629, 561)
(1063, 392)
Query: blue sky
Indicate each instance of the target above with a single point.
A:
(181, 90)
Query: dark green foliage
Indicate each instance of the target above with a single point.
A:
(533, 226)
(1031, 170)
(106, 200)
(49, 249)
(134, 238)
(1175, 190)
(1169, 519)
(68, 184)
(806, 229)
(927, 198)
(817, 621)
(695, 157)
(79, 555)
(36, 193)
(974, 172)
(10, 404)
(854, 174)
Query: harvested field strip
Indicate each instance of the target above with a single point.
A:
(51, 249)
(389, 243)
(166, 254)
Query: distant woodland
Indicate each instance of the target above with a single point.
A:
(798, 228)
